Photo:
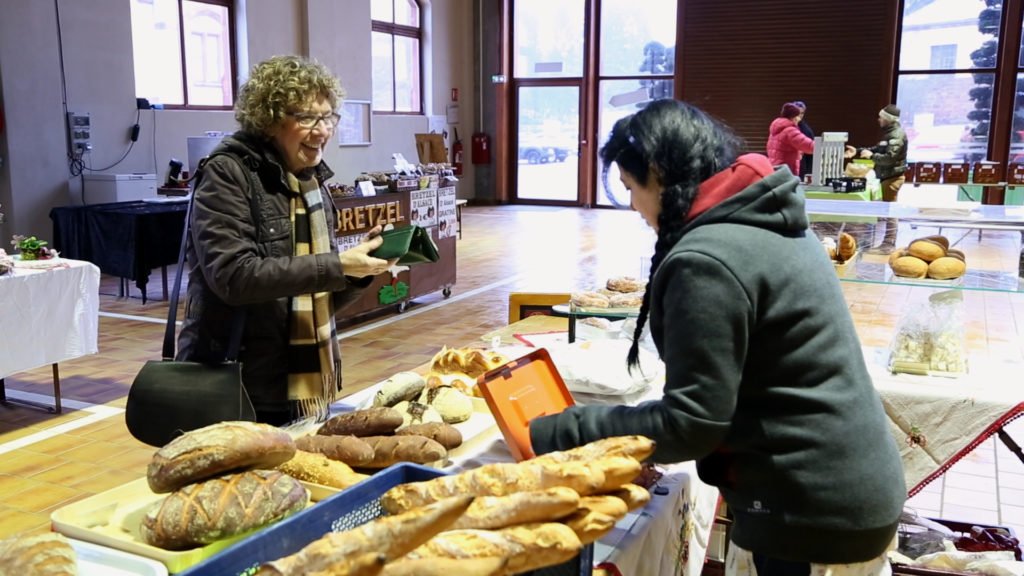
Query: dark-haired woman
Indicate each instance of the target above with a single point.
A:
(765, 385)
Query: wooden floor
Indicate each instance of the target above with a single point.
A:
(47, 461)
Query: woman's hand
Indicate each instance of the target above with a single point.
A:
(358, 263)
(850, 152)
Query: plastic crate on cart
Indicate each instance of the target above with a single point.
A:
(343, 511)
(959, 528)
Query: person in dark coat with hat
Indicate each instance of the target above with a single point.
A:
(890, 157)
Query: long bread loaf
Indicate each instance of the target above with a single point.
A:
(351, 450)
(215, 509)
(319, 469)
(388, 450)
(498, 479)
(444, 434)
(216, 449)
(590, 525)
(492, 512)
(527, 546)
(392, 536)
(634, 496)
(638, 447)
(447, 567)
(368, 422)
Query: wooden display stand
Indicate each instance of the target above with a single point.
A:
(431, 208)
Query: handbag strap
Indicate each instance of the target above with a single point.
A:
(237, 318)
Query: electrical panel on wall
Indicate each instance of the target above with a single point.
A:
(80, 131)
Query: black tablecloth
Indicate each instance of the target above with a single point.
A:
(125, 239)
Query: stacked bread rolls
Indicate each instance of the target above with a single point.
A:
(379, 437)
(928, 257)
(617, 292)
(494, 520)
(458, 369)
(220, 483)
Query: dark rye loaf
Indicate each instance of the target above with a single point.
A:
(217, 449)
(202, 513)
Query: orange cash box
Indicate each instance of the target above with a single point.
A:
(526, 388)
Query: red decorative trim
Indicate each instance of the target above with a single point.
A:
(1014, 413)
(610, 568)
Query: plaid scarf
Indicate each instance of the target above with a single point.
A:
(314, 357)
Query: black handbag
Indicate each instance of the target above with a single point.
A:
(410, 244)
(168, 398)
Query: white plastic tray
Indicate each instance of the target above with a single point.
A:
(96, 560)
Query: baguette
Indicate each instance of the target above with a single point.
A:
(388, 450)
(638, 447)
(47, 554)
(369, 564)
(527, 546)
(368, 422)
(589, 525)
(392, 536)
(617, 470)
(216, 509)
(348, 449)
(610, 505)
(447, 567)
(319, 469)
(634, 496)
(213, 450)
(493, 512)
(444, 434)
(499, 479)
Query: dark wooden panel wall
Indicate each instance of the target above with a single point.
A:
(742, 59)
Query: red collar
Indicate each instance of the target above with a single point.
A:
(747, 169)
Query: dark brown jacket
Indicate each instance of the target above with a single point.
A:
(240, 256)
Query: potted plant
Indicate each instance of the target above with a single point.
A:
(32, 248)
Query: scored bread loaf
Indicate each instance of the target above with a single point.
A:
(616, 470)
(213, 450)
(447, 567)
(216, 509)
(634, 496)
(388, 450)
(47, 554)
(351, 450)
(392, 536)
(638, 447)
(368, 422)
(492, 512)
(444, 434)
(498, 479)
(364, 565)
(319, 469)
(527, 546)
(605, 504)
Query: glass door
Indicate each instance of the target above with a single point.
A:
(547, 129)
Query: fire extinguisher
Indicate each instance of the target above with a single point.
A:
(457, 154)
(481, 148)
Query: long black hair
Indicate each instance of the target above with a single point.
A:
(679, 146)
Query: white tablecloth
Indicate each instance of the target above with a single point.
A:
(48, 315)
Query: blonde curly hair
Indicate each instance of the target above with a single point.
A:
(283, 84)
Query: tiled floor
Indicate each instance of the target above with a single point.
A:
(47, 461)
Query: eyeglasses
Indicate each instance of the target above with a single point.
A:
(310, 121)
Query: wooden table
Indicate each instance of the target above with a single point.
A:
(47, 316)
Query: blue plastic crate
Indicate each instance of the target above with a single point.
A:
(343, 511)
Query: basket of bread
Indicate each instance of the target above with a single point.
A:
(929, 258)
(502, 518)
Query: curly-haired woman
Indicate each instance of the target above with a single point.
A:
(263, 253)
(765, 382)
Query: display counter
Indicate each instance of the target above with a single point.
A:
(430, 208)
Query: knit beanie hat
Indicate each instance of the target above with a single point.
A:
(790, 110)
(890, 112)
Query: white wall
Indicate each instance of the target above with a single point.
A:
(97, 42)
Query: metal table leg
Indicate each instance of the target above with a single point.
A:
(56, 408)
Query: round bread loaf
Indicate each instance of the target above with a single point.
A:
(954, 253)
(624, 284)
(926, 250)
(47, 554)
(910, 267)
(940, 239)
(946, 268)
(216, 449)
(897, 254)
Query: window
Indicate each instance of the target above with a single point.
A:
(396, 56)
(199, 76)
(946, 78)
(943, 57)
